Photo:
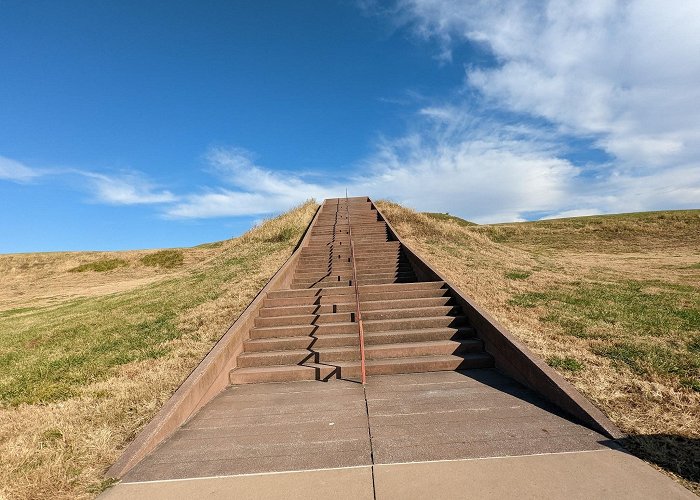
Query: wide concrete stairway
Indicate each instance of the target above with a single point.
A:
(309, 331)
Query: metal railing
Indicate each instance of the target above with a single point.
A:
(358, 313)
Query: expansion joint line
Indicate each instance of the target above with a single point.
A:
(371, 445)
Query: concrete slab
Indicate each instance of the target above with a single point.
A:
(340, 484)
(478, 413)
(442, 435)
(266, 428)
(593, 474)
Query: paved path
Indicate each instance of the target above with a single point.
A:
(442, 435)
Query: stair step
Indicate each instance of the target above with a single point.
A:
(301, 330)
(395, 287)
(419, 364)
(292, 310)
(341, 317)
(364, 297)
(258, 375)
(351, 339)
(328, 355)
(304, 342)
(384, 325)
(352, 369)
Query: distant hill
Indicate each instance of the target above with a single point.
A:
(448, 217)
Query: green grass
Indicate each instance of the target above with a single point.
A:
(528, 299)
(16, 310)
(645, 359)
(215, 244)
(100, 266)
(49, 353)
(669, 309)
(690, 383)
(167, 259)
(618, 233)
(449, 218)
(284, 234)
(518, 275)
(565, 363)
(656, 324)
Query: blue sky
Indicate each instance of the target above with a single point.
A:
(155, 124)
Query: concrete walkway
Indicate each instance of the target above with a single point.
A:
(442, 435)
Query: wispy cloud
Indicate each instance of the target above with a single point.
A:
(465, 166)
(131, 188)
(255, 189)
(621, 75)
(625, 71)
(127, 189)
(13, 170)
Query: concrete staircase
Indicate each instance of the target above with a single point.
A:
(309, 331)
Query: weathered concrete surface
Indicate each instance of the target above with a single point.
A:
(266, 428)
(441, 435)
(318, 425)
(604, 474)
(340, 484)
(477, 413)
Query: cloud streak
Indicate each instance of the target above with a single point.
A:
(254, 190)
(127, 189)
(625, 73)
(13, 170)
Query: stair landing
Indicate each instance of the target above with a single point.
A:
(306, 425)
(443, 435)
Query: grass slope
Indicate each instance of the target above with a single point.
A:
(611, 302)
(93, 343)
(448, 218)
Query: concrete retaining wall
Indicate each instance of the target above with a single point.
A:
(512, 357)
(210, 376)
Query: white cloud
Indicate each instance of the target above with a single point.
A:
(128, 189)
(258, 191)
(621, 74)
(489, 176)
(626, 72)
(581, 212)
(13, 170)
(472, 169)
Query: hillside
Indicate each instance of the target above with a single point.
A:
(611, 302)
(92, 344)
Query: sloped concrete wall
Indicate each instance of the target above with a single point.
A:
(512, 357)
(210, 376)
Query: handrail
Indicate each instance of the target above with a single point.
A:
(358, 313)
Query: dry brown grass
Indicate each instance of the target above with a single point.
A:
(616, 300)
(60, 448)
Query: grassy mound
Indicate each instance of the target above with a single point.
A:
(100, 266)
(449, 218)
(611, 302)
(86, 359)
(164, 258)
